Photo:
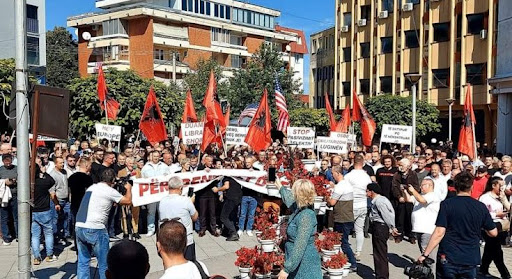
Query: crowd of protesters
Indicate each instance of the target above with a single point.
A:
(78, 182)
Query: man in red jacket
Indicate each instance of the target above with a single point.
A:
(479, 182)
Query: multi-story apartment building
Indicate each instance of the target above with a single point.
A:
(36, 33)
(321, 73)
(450, 42)
(164, 39)
(502, 82)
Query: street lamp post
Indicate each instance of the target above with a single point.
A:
(450, 102)
(414, 79)
(289, 50)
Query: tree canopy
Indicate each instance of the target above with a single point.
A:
(130, 91)
(61, 57)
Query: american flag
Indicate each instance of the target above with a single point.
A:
(284, 118)
(249, 111)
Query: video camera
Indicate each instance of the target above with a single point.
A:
(120, 182)
(419, 270)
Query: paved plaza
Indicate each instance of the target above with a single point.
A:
(216, 253)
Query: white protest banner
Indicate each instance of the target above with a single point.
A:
(192, 133)
(236, 135)
(149, 190)
(331, 145)
(301, 137)
(43, 138)
(110, 132)
(397, 134)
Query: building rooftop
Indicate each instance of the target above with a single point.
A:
(296, 47)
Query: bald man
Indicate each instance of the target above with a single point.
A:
(401, 180)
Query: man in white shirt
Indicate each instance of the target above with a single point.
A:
(171, 242)
(446, 169)
(153, 168)
(177, 206)
(506, 175)
(359, 180)
(173, 167)
(424, 213)
(92, 219)
(440, 184)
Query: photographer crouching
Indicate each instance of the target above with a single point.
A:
(458, 226)
(92, 219)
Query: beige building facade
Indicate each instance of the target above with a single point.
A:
(450, 42)
(321, 73)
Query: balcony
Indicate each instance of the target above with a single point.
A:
(32, 26)
(166, 66)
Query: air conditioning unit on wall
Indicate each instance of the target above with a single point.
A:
(407, 7)
(483, 34)
(361, 22)
(344, 29)
(384, 14)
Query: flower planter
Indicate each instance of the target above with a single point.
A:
(318, 202)
(272, 190)
(335, 273)
(244, 272)
(337, 247)
(257, 233)
(346, 271)
(322, 209)
(267, 245)
(261, 276)
(347, 265)
(326, 254)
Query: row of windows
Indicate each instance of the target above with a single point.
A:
(326, 42)
(325, 73)
(205, 8)
(253, 18)
(114, 26)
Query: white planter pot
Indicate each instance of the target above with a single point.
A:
(335, 273)
(318, 202)
(261, 276)
(346, 272)
(347, 266)
(257, 233)
(337, 247)
(244, 272)
(329, 252)
(272, 191)
(267, 245)
(322, 209)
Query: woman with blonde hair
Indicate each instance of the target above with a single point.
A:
(301, 257)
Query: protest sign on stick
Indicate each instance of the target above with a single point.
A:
(332, 145)
(397, 134)
(236, 135)
(192, 133)
(110, 132)
(301, 137)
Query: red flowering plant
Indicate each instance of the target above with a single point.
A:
(326, 240)
(265, 218)
(269, 233)
(263, 263)
(246, 257)
(337, 261)
(320, 182)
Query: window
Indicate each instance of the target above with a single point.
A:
(221, 35)
(365, 50)
(190, 6)
(366, 12)
(33, 51)
(413, 1)
(237, 61)
(441, 78)
(411, 39)
(365, 86)
(114, 26)
(159, 54)
(196, 6)
(201, 7)
(347, 54)
(347, 19)
(386, 44)
(236, 40)
(387, 5)
(441, 32)
(475, 23)
(216, 10)
(346, 88)
(228, 12)
(31, 12)
(475, 74)
(221, 8)
(208, 11)
(386, 84)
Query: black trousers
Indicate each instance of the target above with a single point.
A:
(227, 210)
(404, 224)
(380, 235)
(493, 252)
(207, 208)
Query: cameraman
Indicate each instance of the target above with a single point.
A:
(457, 232)
(91, 222)
(424, 212)
(130, 172)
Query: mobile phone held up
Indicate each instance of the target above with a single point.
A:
(190, 191)
(271, 174)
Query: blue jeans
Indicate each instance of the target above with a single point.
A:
(63, 219)
(345, 229)
(152, 207)
(451, 271)
(42, 220)
(91, 241)
(11, 208)
(247, 209)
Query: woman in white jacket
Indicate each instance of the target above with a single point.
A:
(496, 201)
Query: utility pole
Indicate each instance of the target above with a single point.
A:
(22, 107)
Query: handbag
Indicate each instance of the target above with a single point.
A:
(504, 225)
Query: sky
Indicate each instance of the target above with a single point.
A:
(308, 16)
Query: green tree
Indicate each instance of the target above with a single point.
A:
(6, 77)
(308, 117)
(61, 57)
(130, 91)
(389, 109)
(246, 85)
(197, 82)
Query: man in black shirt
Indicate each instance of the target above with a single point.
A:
(96, 164)
(78, 183)
(206, 200)
(42, 215)
(458, 230)
(385, 176)
(232, 199)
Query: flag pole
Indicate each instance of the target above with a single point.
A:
(105, 106)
